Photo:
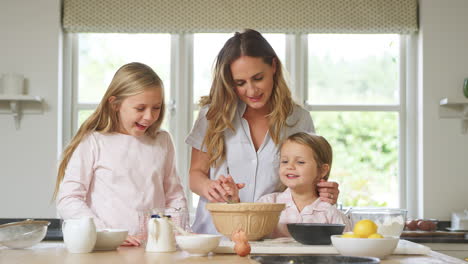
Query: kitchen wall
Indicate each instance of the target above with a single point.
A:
(30, 44)
(443, 66)
(30, 34)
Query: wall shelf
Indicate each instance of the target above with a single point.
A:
(14, 103)
(455, 108)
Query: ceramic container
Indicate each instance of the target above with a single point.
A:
(198, 245)
(256, 219)
(314, 234)
(368, 247)
(79, 235)
(110, 239)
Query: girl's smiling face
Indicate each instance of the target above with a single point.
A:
(140, 111)
(298, 168)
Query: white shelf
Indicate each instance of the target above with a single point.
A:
(455, 108)
(15, 101)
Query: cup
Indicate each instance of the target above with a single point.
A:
(13, 84)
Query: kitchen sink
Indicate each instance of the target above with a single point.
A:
(315, 259)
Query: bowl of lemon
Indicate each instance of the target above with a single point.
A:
(365, 241)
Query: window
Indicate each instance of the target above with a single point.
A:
(353, 94)
(351, 88)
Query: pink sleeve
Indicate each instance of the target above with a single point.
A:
(173, 190)
(335, 216)
(267, 198)
(71, 198)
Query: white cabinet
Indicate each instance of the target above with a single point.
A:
(11, 104)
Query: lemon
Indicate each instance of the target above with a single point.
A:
(376, 235)
(349, 235)
(365, 228)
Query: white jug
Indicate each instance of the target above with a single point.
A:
(160, 235)
(79, 235)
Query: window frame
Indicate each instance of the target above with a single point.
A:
(180, 106)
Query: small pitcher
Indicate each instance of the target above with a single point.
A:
(160, 235)
(79, 235)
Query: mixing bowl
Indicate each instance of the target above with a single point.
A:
(198, 245)
(314, 234)
(23, 234)
(110, 239)
(389, 221)
(365, 247)
(256, 219)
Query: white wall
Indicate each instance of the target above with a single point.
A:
(444, 65)
(30, 44)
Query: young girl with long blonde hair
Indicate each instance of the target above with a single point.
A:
(120, 163)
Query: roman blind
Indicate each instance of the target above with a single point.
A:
(267, 16)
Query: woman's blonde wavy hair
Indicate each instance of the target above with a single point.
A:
(222, 99)
(129, 80)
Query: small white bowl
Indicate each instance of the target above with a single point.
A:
(365, 247)
(110, 239)
(198, 245)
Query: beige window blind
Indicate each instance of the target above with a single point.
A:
(268, 16)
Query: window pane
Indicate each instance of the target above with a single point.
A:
(207, 47)
(365, 155)
(353, 69)
(100, 55)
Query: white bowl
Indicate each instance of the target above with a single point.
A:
(23, 234)
(198, 245)
(365, 247)
(110, 239)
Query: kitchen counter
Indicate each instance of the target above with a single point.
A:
(55, 252)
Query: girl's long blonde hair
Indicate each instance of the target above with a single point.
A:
(222, 100)
(130, 79)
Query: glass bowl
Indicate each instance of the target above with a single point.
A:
(23, 234)
(389, 221)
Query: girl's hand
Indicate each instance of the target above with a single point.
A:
(132, 241)
(328, 191)
(231, 188)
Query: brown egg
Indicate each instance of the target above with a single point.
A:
(412, 225)
(425, 225)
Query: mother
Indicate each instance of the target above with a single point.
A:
(248, 112)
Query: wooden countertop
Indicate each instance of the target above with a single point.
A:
(53, 252)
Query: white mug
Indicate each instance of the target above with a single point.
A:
(13, 84)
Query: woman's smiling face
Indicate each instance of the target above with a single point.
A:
(253, 80)
(140, 111)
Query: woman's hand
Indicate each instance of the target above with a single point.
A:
(231, 188)
(328, 191)
(132, 241)
(214, 191)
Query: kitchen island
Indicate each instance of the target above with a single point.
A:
(55, 252)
